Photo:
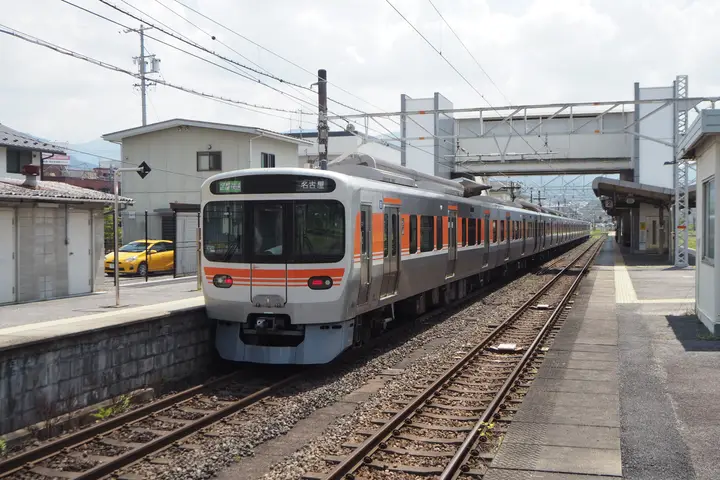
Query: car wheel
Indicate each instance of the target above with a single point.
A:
(142, 269)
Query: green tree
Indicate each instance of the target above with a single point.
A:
(109, 229)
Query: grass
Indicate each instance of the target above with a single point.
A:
(692, 242)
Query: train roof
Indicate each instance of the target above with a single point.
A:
(357, 168)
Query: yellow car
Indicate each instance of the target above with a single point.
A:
(141, 257)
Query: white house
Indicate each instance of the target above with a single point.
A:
(182, 154)
(702, 143)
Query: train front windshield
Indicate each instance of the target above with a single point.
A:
(300, 231)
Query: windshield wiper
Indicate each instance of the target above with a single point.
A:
(231, 249)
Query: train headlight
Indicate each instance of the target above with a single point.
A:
(320, 283)
(223, 281)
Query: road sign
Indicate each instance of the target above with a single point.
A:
(143, 170)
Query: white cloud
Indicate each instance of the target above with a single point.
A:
(536, 51)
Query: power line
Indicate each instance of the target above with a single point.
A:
(200, 47)
(468, 51)
(59, 147)
(463, 77)
(71, 53)
(285, 60)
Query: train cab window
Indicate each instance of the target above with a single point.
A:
(223, 239)
(464, 231)
(318, 231)
(472, 231)
(413, 234)
(439, 233)
(427, 227)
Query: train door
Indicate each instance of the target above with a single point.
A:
(366, 254)
(391, 253)
(486, 239)
(268, 270)
(452, 243)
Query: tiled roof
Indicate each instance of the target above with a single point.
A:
(13, 138)
(11, 188)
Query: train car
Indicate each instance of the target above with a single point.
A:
(302, 264)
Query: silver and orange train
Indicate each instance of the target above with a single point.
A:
(302, 264)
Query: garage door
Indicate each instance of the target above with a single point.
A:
(7, 256)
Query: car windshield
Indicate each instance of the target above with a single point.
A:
(135, 247)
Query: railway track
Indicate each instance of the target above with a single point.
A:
(111, 448)
(120, 441)
(445, 428)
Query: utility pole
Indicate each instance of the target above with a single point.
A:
(540, 198)
(322, 119)
(513, 186)
(142, 68)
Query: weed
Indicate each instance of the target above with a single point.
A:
(487, 430)
(3, 447)
(707, 336)
(115, 408)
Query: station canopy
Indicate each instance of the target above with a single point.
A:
(618, 196)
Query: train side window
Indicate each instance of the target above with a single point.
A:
(481, 231)
(464, 232)
(427, 226)
(494, 234)
(502, 230)
(385, 235)
(395, 234)
(472, 231)
(439, 229)
(363, 229)
(413, 233)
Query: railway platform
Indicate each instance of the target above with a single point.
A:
(35, 321)
(627, 387)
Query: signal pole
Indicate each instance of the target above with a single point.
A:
(322, 119)
(142, 68)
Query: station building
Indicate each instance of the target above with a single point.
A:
(702, 144)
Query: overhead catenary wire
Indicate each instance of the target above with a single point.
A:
(452, 30)
(314, 74)
(540, 157)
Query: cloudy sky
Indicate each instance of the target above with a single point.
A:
(535, 51)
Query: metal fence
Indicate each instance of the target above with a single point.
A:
(187, 242)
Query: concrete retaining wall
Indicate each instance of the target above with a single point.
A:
(49, 378)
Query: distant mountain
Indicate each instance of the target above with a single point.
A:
(93, 153)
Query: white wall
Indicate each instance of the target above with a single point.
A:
(172, 154)
(3, 164)
(707, 277)
(420, 154)
(584, 144)
(659, 125)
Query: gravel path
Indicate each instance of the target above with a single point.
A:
(231, 441)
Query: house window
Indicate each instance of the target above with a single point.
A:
(708, 238)
(209, 161)
(267, 160)
(17, 159)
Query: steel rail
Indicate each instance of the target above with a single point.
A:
(372, 443)
(10, 466)
(458, 463)
(146, 449)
